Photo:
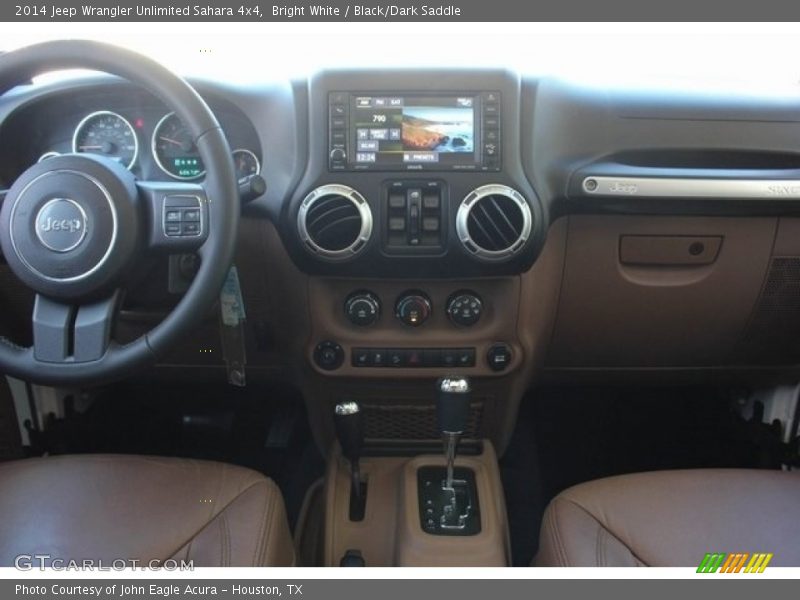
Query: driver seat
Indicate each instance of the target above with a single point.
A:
(112, 507)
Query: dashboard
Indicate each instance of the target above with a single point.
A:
(425, 219)
(420, 223)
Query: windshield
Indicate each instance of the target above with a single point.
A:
(745, 56)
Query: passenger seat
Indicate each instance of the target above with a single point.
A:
(673, 518)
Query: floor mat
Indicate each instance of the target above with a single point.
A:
(566, 436)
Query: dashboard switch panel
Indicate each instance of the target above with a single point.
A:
(412, 358)
(414, 216)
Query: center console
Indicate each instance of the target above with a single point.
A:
(394, 530)
(414, 220)
(428, 510)
(414, 223)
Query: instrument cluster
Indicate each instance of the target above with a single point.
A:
(133, 129)
(109, 134)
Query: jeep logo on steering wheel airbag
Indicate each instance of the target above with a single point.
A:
(61, 225)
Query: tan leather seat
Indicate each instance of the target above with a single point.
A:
(672, 518)
(107, 507)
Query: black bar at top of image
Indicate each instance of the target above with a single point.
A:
(598, 11)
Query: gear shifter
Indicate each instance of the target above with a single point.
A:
(452, 408)
(350, 431)
(449, 497)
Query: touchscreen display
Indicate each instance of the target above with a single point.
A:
(414, 131)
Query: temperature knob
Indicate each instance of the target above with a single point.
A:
(413, 308)
(362, 308)
(464, 308)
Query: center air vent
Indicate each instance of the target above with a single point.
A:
(494, 222)
(335, 221)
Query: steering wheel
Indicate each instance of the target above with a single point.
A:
(73, 225)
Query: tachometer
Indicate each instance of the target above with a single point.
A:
(246, 163)
(174, 149)
(108, 134)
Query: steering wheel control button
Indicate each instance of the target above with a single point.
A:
(61, 225)
(183, 216)
(328, 356)
(362, 308)
(413, 308)
(464, 308)
(499, 357)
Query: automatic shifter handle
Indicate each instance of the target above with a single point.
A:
(350, 431)
(452, 409)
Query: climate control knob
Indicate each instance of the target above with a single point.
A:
(362, 308)
(464, 308)
(413, 308)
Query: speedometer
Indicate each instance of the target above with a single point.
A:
(174, 149)
(108, 134)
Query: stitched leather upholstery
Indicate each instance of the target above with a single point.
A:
(107, 507)
(672, 518)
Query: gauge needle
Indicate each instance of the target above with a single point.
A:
(170, 140)
(90, 147)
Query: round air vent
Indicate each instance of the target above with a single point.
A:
(335, 221)
(494, 222)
